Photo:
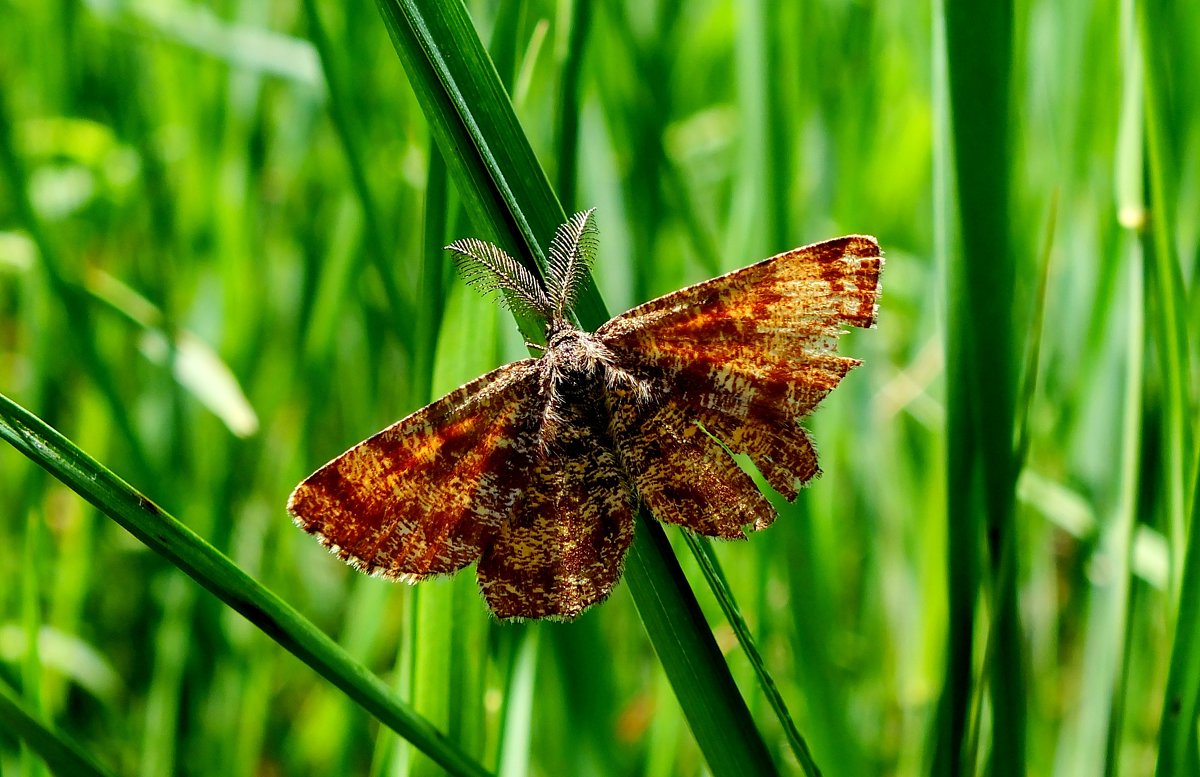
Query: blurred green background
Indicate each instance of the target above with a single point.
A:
(217, 272)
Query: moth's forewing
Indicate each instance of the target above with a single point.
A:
(749, 354)
(425, 495)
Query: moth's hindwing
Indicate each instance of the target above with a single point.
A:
(563, 545)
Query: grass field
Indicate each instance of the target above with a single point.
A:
(220, 265)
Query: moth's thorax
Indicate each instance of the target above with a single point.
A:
(574, 369)
(580, 367)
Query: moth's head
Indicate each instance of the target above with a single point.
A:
(489, 269)
(575, 356)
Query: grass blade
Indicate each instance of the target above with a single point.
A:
(60, 753)
(67, 291)
(981, 377)
(1165, 279)
(509, 199)
(1091, 746)
(1177, 754)
(339, 110)
(694, 666)
(702, 550)
(1181, 702)
(500, 182)
(186, 550)
(569, 101)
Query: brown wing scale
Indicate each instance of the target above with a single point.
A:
(746, 355)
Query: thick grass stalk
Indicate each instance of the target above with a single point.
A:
(501, 184)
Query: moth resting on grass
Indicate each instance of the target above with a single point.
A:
(535, 469)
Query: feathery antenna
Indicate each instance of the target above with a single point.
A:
(488, 268)
(571, 253)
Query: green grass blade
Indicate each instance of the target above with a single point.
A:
(67, 290)
(1092, 742)
(711, 567)
(31, 615)
(509, 199)
(695, 667)
(981, 378)
(519, 707)
(1181, 702)
(569, 94)
(447, 643)
(1165, 276)
(61, 754)
(339, 110)
(501, 184)
(1092, 735)
(1177, 740)
(186, 550)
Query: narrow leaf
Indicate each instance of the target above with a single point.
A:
(59, 752)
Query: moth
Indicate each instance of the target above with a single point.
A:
(536, 469)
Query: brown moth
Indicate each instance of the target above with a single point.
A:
(535, 470)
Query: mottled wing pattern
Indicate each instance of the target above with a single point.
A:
(562, 548)
(682, 474)
(426, 495)
(746, 356)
